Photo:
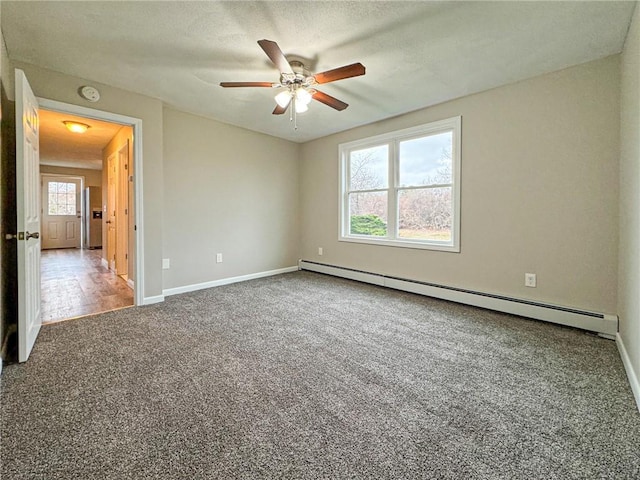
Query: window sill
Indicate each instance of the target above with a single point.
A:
(442, 247)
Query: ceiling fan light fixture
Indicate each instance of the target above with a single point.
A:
(76, 127)
(283, 98)
(303, 96)
(301, 107)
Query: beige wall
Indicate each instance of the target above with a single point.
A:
(64, 88)
(629, 265)
(92, 178)
(230, 191)
(266, 239)
(539, 192)
(125, 134)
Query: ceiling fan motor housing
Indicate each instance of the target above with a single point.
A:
(300, 76)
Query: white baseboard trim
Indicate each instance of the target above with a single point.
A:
(226, 281)
(104, 263)
(592, 321)
(634, 380)
(131, 284)
(152, 300)
(0, 367)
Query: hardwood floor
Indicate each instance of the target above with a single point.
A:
(74, 283)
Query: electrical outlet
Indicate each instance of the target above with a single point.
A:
(218, 258)
(530, 280)
(320, 251)
(166, 264)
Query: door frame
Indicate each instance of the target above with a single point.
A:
(136, 125)
(62, 175)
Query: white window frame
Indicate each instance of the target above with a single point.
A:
(393, 139)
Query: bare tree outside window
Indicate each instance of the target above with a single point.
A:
(427, 213)
(368, 186)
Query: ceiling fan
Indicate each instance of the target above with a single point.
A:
(297, 84)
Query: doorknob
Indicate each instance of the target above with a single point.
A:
(107, 221)
(31, 235)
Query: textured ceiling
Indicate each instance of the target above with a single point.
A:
(62, 148)
(416, 53)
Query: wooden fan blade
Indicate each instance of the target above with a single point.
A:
(348, 71)
(280, 110)
(246, 84)
(329, 100)
(275, 55)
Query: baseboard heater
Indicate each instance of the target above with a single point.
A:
(604, 325)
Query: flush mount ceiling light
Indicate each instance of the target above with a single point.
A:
(298, 84)
(76, 127)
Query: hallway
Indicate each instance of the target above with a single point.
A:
(75, 283)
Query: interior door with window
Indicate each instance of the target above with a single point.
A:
(61, 214)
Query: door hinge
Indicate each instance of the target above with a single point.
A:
(126, 211)
(126, 256)
(126, 166)
(131, 178)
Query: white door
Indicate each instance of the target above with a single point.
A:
(122, 210)
(61, 212)
(111, 212)
(28, 208)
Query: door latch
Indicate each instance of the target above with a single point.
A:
(13, 236)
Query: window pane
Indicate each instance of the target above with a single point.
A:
(62, 198)
(368, 214)
(425, 214)
(369, 168)
(426, 160)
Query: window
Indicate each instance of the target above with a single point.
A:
(62, 198)
(403, 188)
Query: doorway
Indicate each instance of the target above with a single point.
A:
(82, 224)
(61, 211)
